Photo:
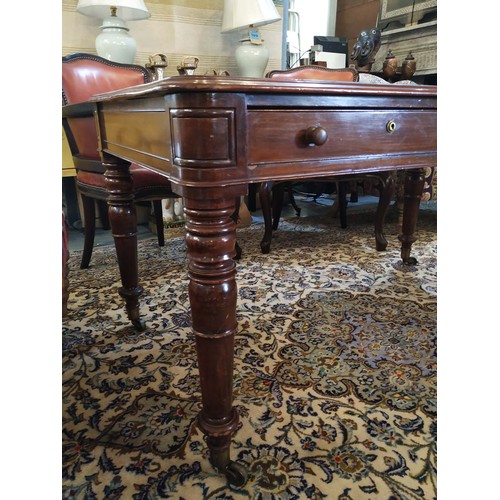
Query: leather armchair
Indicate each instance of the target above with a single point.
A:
(84, 75)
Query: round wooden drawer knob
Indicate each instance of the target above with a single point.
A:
(316, 136)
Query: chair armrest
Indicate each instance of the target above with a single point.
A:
(79, 110)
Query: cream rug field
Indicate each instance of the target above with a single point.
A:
(335, 371)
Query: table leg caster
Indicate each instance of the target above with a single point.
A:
(410, 261)
(405, 256)
(380, 242)
(236, 474)
(139, 324)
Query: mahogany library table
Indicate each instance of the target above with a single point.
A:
(212, 137)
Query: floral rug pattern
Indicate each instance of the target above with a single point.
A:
(335, 371)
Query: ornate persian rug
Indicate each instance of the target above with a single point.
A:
(335, 371)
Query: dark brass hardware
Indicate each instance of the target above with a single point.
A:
(391, 126)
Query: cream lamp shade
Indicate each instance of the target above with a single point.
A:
(240, 14)
(114, 42)
(251, 55)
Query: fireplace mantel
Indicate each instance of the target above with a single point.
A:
(420, 40)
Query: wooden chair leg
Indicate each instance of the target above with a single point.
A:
(235, 217)
(102, 206)
(158, 214)
(386, 187)
(65, 271)
(292, 201)
(334, 210)
(265, 189)
(277, 203)
(353, 187)
(342, 200)
(89, 230)
(252, 197)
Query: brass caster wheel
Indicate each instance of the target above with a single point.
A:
(236, 474)
(139, 324)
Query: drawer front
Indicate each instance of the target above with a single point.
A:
(294, 136)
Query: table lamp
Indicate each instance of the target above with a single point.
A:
(251, 55)
(114, 42)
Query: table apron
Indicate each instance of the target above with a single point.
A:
(307, 169)
(221, 142)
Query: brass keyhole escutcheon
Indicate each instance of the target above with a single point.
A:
(391, 126)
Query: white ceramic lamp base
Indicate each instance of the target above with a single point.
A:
(114, 43)
(251, 59)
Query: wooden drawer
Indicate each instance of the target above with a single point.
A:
(283, 136)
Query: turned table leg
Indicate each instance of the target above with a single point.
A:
(414, 185)
(123, 220)
(210, 244)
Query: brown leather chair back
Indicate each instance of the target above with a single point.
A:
(315, 73)
(84, 75)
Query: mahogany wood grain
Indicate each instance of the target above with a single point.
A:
(213, 136)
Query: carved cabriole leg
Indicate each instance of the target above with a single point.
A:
(210, 244)
(386, 187)
(414, 185)
(292, 200)
(277, 199)
(123, 220)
